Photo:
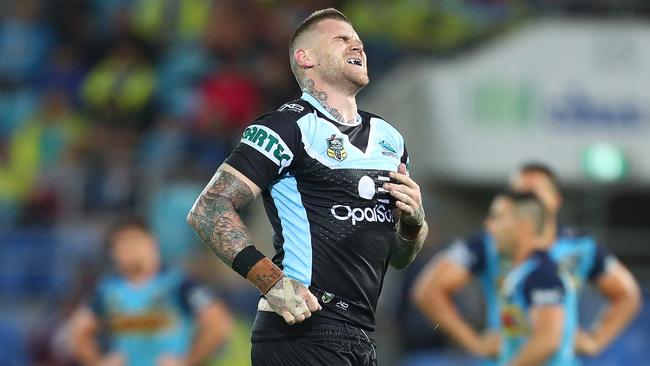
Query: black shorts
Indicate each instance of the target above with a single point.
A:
(316, 341)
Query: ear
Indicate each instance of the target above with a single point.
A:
(303, 59)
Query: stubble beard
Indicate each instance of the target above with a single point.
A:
(335, 73)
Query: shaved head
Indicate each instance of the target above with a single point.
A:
(529, 207)
(301, 36)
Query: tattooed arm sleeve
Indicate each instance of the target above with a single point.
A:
(264, 154)
(215, 217)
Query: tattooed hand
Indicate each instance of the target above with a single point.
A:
(292, 300)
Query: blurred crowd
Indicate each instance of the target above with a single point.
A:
(109, 107)
(103, 102)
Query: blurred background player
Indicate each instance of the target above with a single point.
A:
(477, 257)
(585, 260)
(536, 300)
(146, 314)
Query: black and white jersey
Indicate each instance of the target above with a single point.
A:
(321, 181)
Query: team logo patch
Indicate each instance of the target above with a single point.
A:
(335, 149)
(513, 321)
(387, 149)
(327, 297)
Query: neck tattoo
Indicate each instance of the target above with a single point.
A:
(321, 97)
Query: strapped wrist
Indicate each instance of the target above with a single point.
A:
(406, 239)
(251, 264)
(246, 259)
(414, 232)
(418, 224)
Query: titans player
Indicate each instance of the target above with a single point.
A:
(336, 190)
(476, 257)
(146, 314)
(535, 298)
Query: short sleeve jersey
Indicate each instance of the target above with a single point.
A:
(321, 183)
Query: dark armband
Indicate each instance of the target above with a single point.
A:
(254, 266)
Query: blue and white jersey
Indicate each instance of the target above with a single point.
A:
(144, 321)
(582, 258)
(322, 183)
(536, 282)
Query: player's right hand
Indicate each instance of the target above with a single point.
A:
(292, 300)
(488, 345)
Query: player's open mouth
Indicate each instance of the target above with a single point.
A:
(355, 61)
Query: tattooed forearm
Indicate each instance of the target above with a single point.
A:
(321, 96)
(215, 219)
(405, 249)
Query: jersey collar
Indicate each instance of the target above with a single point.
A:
(314, 102)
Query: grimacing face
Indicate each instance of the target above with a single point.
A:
(134, 252)
(339, 55)
(541, 186)
(501, 224)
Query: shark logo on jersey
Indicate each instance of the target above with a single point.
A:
(335, 148)
(268, 143)
(387, 149)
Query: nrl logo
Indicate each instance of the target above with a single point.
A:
(335, 149)
(327, 297)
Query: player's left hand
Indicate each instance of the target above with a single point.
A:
(586, 344)
(407, 195)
